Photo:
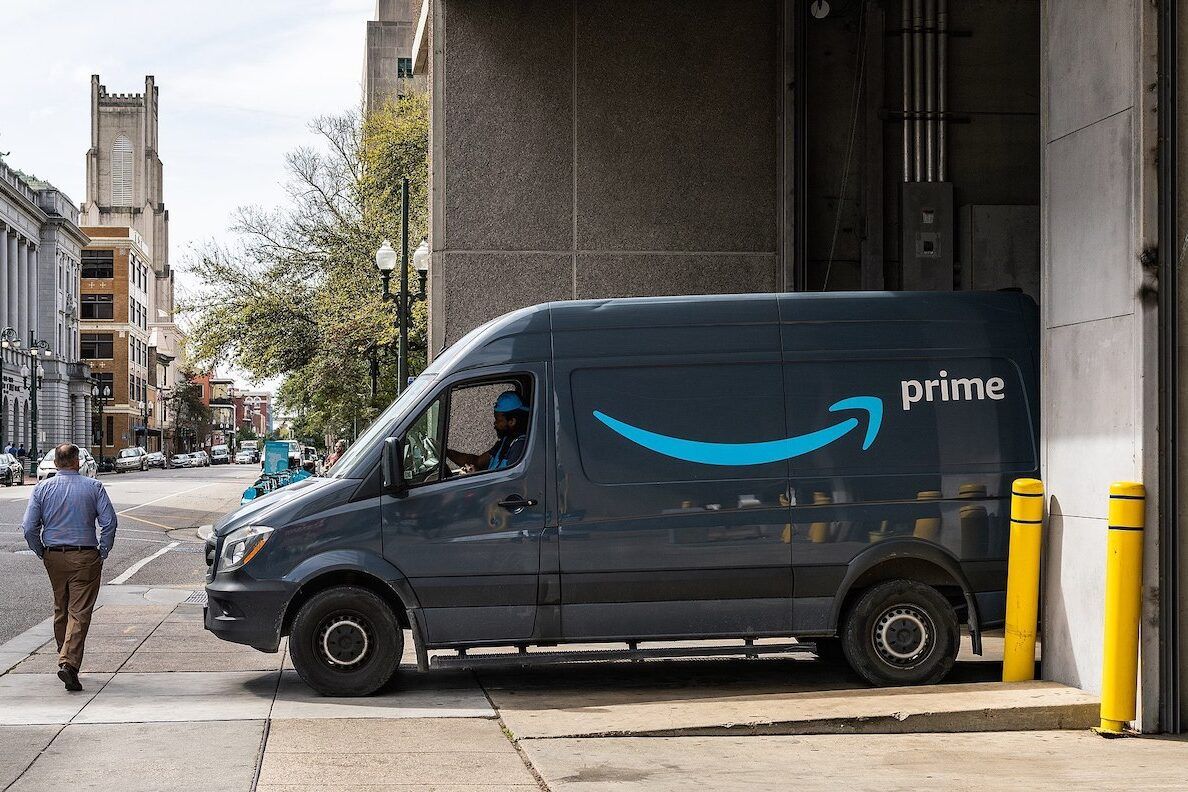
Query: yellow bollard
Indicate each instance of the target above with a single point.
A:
(1123, 601)
(1023, 572)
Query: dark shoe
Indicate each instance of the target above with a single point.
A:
(69, 676)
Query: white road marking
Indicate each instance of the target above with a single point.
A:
(132, 570)
(165, 497)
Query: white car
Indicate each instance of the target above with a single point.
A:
(87, 465)
(131, 459)
(179, 461)
(200, 459)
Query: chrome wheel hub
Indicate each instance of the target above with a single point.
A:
(903, 635)
(344, 641)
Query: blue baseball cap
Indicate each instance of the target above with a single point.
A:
(509, 402)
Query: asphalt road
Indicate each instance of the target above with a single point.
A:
(156, 508)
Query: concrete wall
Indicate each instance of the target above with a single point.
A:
(1098, 364)
(638, 153)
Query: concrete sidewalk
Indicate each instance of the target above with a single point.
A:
(168, 707)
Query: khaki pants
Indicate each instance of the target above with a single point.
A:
(75, 576)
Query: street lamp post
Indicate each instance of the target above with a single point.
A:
(9, 339)
(163, 396)
(385, 262)
(146, 411)
(101, 394)
(36, 348)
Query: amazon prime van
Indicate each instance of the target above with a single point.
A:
(832, 468)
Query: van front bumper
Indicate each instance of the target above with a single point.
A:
(247, 611)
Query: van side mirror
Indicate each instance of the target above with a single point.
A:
(393, 467)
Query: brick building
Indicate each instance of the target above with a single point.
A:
(127, 302)
(114, 336)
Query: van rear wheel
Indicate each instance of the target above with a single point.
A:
(901, 633)
(346, 642)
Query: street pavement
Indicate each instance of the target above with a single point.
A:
(166, 706)
(156, 508)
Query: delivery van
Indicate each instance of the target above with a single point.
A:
(832, 468)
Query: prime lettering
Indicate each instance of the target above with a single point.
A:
(956, 389)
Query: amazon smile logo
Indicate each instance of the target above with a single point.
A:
(737, 454)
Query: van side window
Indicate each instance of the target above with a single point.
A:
(488, 424)
(420, 455)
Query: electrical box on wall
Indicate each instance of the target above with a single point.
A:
(926, 228)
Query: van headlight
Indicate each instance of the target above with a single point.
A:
(241, 546)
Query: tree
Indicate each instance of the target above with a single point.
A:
(191, 414)
(297, 295)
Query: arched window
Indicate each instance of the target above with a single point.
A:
(121, 172)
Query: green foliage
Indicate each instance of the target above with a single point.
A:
(297, 296)
(189, 411)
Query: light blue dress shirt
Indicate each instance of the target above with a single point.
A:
(64, 509)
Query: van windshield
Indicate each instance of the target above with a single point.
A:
(353, 461)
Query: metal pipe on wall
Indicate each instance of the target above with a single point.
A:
(929, 90)
(942, 67)
(905, 30)
(1169, 252)
(918, 85)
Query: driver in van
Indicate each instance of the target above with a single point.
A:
(511, 427)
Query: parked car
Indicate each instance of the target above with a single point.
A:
(135, 458)
(202, 458)
(220, 455)
(834, 467)
(87, 466)
(11, 470)
(179, 461)
(156, 459)
(247, 456)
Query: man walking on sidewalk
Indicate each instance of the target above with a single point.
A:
(59, 528)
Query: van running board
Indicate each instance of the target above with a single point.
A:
(526, 658)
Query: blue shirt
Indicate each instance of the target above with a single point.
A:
(506, 452)
(64, 509)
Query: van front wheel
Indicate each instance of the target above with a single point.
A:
(901, 633)
(346, 642)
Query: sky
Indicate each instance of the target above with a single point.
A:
(239, 81)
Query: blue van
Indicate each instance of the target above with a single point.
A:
(834, 468)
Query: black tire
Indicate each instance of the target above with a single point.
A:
(335, 627)
(901, 633)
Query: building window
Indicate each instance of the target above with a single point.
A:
(121, 172)
(98, 263)
(98, 306)
(97, 346)
(404, 68)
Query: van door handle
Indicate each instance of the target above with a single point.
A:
(515, 504)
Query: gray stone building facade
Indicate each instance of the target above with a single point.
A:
(40, 252)
(603, 148)
(387, 51)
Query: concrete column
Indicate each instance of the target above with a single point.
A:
(3, 278)
(22, 291)
(34, 268)
(13, 285)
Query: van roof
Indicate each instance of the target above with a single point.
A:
(529, 334)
